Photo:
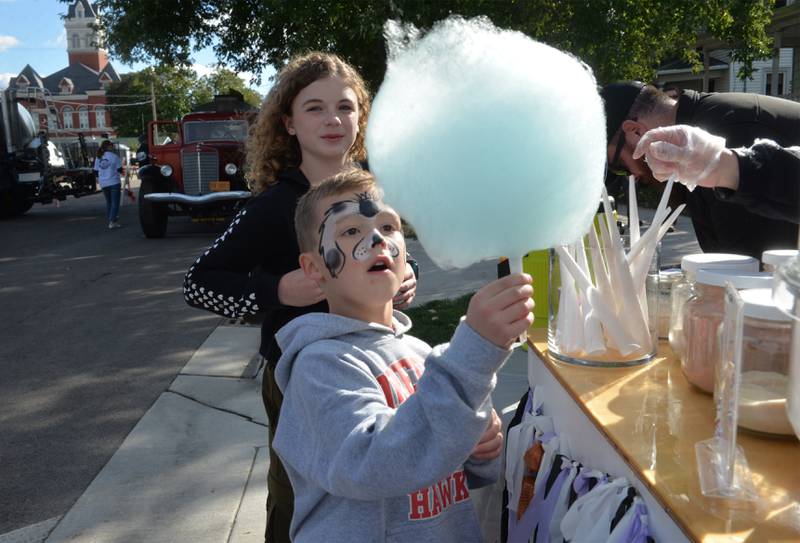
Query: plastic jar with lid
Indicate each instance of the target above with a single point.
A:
(682, 289)
(773, 258)
(702, 315)
(764, 381)
(667, 279)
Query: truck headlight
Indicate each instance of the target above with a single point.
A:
(166, 170)
(231, 169)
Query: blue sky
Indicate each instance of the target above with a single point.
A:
(32, 32)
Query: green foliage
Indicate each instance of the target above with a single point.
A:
(620, 39)
(177, 91)
(435, 322)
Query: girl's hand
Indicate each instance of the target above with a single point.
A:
(408, 289)
(296, 290)
(491, 444)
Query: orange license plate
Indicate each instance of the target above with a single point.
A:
(219, 186)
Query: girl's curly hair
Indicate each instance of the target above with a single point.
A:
(270, 148)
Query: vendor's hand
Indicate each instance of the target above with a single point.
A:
(501, 310)
(491, 444)
(408, 289)
(297, 290)
(689, 153)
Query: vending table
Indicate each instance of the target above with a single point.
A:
(642, 423)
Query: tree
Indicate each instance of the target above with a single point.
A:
(618, 38)
(175, 90)
(221, 81)
(178, 91)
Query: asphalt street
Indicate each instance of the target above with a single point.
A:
(93, 329)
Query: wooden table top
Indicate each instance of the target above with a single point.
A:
(654, 417)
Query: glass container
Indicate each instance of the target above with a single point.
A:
(702, 315)
(666, 280)
(787, 296)
(764, 382)
(774, 258)
(682, 289)
(577, 333)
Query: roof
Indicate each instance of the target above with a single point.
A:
(88, 9)
(83, 78)
(681, 65)
(34, 79)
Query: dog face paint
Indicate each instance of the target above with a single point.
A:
(368, 208)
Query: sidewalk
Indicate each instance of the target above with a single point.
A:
(194, 468)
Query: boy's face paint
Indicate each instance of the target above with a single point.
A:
(362, 223)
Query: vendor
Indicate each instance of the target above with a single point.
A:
(721, 224)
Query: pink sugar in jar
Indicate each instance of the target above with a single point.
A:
(702, 316)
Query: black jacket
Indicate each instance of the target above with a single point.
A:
(723, 225)
(769, 181)
(239, 274)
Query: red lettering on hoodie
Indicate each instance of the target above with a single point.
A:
(430, 502)
(399, 381)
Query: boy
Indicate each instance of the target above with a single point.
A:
(377, 450)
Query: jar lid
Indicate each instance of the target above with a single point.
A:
(740, 280)
(692, 263)
(758, 303)
(776, 257)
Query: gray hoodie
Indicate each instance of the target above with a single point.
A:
(377, 450)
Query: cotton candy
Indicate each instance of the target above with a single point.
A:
(488, 142)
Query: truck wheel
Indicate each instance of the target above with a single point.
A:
(12, 205)
(152, 215)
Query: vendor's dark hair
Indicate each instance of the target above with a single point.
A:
(649, 101)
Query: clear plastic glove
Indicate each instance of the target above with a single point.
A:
(689, 153)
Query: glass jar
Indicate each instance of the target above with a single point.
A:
(580, 332)
(773, 258)
(666, 280)
(787, 296)
(702, 315)
(764, 381)
(682, 289)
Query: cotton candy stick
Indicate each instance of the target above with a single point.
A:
(641, 265)
(592, 332)
(515, 266)
(613, 326)
(633, 210)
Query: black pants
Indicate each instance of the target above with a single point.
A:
(280, 500)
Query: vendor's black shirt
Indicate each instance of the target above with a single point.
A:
(740, 118)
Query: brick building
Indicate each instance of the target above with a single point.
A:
(72, 100)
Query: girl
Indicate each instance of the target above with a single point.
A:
(310, 127)
(108, 167)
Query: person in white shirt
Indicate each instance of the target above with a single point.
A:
(108, 167)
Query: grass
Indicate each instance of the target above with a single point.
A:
(436, 321)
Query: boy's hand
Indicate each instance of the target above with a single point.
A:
(501, 310)
(491, 444)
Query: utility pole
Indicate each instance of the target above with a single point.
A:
(153, 106)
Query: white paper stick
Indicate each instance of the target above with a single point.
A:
(636, 248)
(633, 210)
(612, 325)
(515, 266)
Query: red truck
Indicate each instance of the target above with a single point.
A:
(195, 165)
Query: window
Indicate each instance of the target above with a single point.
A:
(52, 123)
(100, 117)
(67, 114)
(83, 117)
(769, 84)
(76, 41)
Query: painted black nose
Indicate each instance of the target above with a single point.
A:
(377, 239)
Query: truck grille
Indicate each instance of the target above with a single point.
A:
(199, 168)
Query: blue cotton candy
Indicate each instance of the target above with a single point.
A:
(488, 142)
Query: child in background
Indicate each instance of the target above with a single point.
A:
(108, 167)
(377, 430)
